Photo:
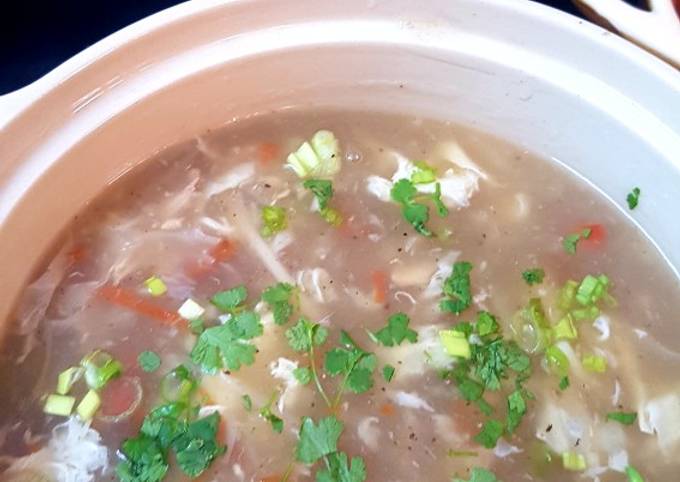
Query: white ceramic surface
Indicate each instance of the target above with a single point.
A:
(558, 86)
(657, 30)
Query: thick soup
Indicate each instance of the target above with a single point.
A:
(346, 297)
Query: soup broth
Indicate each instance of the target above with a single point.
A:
(389, 299)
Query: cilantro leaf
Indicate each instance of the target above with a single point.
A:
(535, 276)
(633, 198)
(457, 289)
(490, 433)
(143, 460)
(227, 301)
(304, 334)
(625, 418)
(227, 345)
(517, 407)
(403, 192)
(486, 324)
(442, 210)
(570, 241)
(318, 440)
(322, 190)
(396, 331)
(196, 447)
(303, 375)
(356, 364)
(388, 372)
(278, 297)
(479, 474)
(149, 361)
(275, 421)
(165, 422)
(564, 383)
(247, 402)
(339, 470)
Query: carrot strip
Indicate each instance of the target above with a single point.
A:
(267, 152)
(379, 282)
(387, 409)
(597, 234)
(223, 251)
(128, 299)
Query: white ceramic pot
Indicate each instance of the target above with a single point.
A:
(560, 87)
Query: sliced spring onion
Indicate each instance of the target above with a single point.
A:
(89, 405)
(557, 360)
(318, 157)
(591, 289)
(67, 378)
(424, 173)
(100, 367)
(594, 363)
(61, 405)
(530, 327)
(274, 220)
(190, 310)
(155, 286)
(573, 461)
(178, 385)
(455, 343)
(567, 295)
(565, 329)
(331, 216)
(633, 475)
(588, 313)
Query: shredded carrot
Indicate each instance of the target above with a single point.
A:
(272, 478)
(267, 152)
(77, 254)
(387, 409)
(199, 268)
(132, 301)
(379, 282)
(223, 251)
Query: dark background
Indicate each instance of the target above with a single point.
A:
(36, 36)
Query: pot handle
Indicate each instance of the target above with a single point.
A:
(657, 30)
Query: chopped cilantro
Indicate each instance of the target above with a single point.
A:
(490, 433)
(457, 289)
(404, 192)
(143, 460)
(340, 470)
(278, 297)
(625, 418)
(196, 447)
(149, 361)
(396, 331)
(517, 407)
(247, 402)
(423, 173)
(486, 324)
(228, 301)
(317, 440)
(267, 414)
(354, 363)
(303, 375)
(273, 220)
(442, 210)
(570, 241)
(227, 346)
(388, 372)
(323, 191)
(564, 383)
(479, 474)
(197, 326)
(304, 334)
(633, 198)
(534, 276)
